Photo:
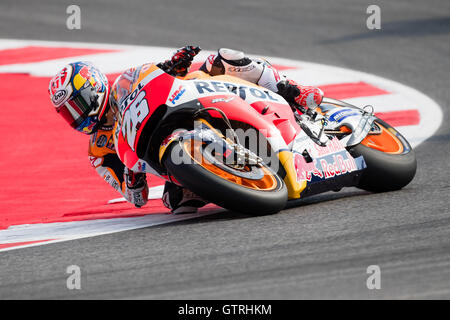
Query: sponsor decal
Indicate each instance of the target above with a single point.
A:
(171, 136)
(60, 80)
(306, 170)
(59, 97)
(338, 166)
(241, 69)
(141, 166)
(327, 162)
(93, 76)
(110, 144)
(85, 73)
(88, 125)
(333, 146)
(222, 100)
(211, 59)
(131, 97)
(177, 94)
(115, 185)
(204, 87)
(101, 141)
(111, 181)
(342, 114)
(324, 168)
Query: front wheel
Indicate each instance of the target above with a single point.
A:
(253, 189)
(391, 162)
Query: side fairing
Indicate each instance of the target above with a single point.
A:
(150, 92)
(269, 111)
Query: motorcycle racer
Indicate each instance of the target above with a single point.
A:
(81, 94)
(257, 70)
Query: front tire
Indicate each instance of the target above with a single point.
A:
(241, 192)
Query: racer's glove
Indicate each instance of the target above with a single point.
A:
(305, 96)
(180, 62)
(136, 188)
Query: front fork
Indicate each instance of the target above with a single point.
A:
(205, 133)
(239, 155)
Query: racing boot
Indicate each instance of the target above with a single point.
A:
(304, 96)
(304, 101)
(181, 200)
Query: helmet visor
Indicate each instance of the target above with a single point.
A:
(78, 108)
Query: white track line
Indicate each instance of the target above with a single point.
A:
(64, 231)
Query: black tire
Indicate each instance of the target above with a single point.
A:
(386, 172)
(222, 192)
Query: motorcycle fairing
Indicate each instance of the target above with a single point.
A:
(172, 92)
(268, 114)
(135, 111)
(316, 164)
(357, 120)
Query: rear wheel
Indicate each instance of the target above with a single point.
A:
(251, 189)
(391, 162)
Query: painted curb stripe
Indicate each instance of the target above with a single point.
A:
(37, 234)
(22, 244)
(351, 90)
(400, 118)
(39, 54)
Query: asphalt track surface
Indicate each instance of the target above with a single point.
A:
(320, 249)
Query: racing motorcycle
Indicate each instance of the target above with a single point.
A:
(199, 132)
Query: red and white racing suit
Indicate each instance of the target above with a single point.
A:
(133, 186)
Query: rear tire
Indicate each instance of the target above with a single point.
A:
(222, 192)
(386, 171)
